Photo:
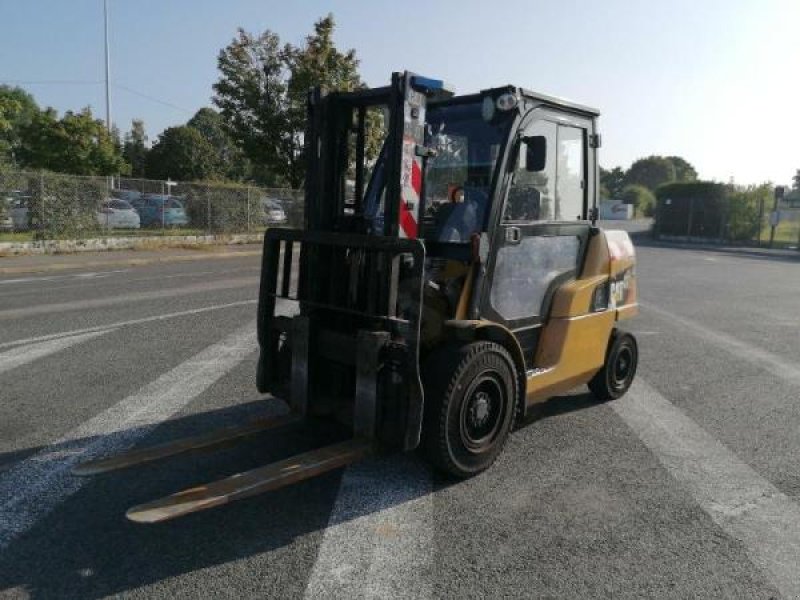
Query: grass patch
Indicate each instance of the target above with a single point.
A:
(786, 233)
(16, 236)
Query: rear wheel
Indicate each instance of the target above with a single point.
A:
(470, 393)
(616, 376)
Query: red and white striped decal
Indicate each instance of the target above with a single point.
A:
(412, 190)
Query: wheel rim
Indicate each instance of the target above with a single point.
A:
(482, 413)
(622, 368)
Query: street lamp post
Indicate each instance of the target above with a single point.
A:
(108, 68)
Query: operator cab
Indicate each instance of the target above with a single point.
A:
(505, 148)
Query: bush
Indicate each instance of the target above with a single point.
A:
(218, 208)
(63, 206)
(743, 211)
(641, 198)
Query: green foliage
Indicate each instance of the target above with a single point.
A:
(220, 208)
(796, 180)
(693, 189)
(231, 161)
(17, 109)
(261, 94)
(135, 150)
(684, 171)
(182, 154)
(744, 208)
(643, 200)
(612, 182)
(651, 172)
(63, 206)
(77, 143)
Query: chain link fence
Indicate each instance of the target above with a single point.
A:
(51, 206)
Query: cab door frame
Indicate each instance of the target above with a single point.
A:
(527, 329)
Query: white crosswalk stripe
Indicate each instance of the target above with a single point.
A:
(777, 365)
(379, 539)
(36, 485)
(741, 502)
(22, 355)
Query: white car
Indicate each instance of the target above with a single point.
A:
(6, 220)
(273, 212)
(19, 211)
(118, 214)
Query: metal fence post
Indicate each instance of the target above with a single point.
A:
(42, 219)
(774, 219)
(208, 212)
(163, 209)
(248, 209)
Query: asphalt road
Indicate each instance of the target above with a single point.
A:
(687, 487)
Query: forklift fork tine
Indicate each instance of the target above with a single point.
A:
(212, 439)
(253, 482)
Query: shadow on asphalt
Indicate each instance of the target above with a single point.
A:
(86, 548)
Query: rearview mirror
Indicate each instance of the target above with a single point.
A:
(535, 153)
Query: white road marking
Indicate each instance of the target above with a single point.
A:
(787, 370)
(61, 277)
(35, 486)
(379, 540)
(741, 502)
(195, 288)
(23, 355)
(172, 315)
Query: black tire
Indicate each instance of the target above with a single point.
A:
(470, 397)
(616, 376)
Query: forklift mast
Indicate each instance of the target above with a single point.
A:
(351, 350)
(335, 147)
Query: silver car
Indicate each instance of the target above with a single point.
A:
(273, 212)
(118, 214)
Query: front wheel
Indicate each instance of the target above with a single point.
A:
(470, 394)
(616, 376)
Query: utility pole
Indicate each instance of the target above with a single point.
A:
(108, 69)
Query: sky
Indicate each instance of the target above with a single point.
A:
(671, 77)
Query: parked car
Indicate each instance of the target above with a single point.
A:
(6, 221)
(156, 210)
(127, 195)
(20, 211)
(273, 211)
(118, 214)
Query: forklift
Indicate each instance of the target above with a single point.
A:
(438, 291)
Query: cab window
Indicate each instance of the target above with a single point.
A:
(549, 181)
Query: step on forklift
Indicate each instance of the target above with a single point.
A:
(438, 290)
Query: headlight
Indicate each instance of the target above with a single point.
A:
(506, 101)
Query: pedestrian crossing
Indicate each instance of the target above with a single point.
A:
(376, 543)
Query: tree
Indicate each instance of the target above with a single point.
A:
(261, 94)
(643, 200)
(231, 161)
(77, 144)
(796, 180)
(613, 181)
(183, 154)
(684, 171)
(17, 109)
(251, 95)
(135, 150)
(651, 172)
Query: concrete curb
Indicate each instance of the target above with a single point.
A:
(124, 243)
